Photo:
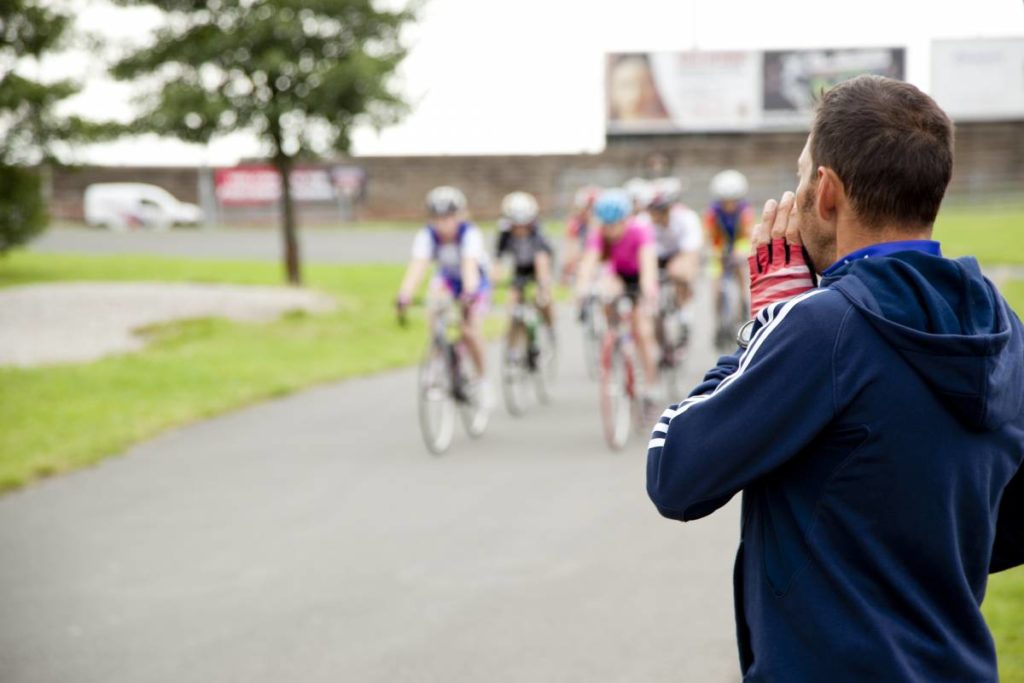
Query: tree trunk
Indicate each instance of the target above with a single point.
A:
(292, 262)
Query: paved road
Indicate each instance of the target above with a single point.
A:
(318, 245)
(314, 539)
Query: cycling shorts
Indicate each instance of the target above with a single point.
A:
(453, 288)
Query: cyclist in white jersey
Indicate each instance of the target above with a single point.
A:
(457, 248)
(679, 238)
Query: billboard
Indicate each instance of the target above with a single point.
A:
(253, 185)
(793, 79)
(977, 80)
(668, 92)
(682, 91)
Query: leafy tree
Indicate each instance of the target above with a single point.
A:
(298, 74)
(22, 211)
(28, 121)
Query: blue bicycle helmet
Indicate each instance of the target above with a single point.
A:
(612, 206)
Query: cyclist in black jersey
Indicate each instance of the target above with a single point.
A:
(521, 239)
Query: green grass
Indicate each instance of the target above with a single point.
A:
(489, 226)
(994, 235)
(24, 267)
(1004, 612)
(61, 417)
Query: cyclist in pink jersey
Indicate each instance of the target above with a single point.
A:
(626, 246)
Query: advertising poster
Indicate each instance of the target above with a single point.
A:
(682, 91)
(978, 80)
(261, 184)
(793, 79)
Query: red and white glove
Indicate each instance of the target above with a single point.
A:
(778, 271)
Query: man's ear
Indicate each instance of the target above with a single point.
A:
(831, 194)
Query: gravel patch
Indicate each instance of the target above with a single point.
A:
(82, 321)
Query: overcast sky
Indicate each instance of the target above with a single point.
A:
(525, 76)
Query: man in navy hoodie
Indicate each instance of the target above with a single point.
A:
(874, 423)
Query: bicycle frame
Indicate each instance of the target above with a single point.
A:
(444, 386)
(731, 302)
(616, 352)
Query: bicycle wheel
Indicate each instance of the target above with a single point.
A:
(514, 369)
(593, 332)
(728, 314)
(436, 403)
(672, 379)
(615, 399)
(641, 410)
(546, 365)
(473, 407)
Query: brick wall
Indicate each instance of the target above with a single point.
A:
(989, 162)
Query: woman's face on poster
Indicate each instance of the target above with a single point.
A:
(632, 92)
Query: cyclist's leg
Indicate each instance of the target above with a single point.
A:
(643, 333)
(664, 281)
(740, 273)
(438, 294)
(514, 295)
(716, 272)
(682, 270)
(542, 274)
(472, 331)
(609, 289)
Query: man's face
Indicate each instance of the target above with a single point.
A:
(819, 237)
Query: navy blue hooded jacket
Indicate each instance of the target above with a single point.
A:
(876, 428)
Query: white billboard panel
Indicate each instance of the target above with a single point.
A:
(977, 80)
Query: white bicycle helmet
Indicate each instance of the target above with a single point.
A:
(445, 201)
(667, 191)
(669, 188)
(640, 191)
(729, 185)
(520, 208)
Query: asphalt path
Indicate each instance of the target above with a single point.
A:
(313, 538)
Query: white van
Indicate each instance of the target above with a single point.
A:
(124, 206)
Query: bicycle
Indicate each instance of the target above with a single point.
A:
(621, 405)
(731, 307)
(672, 336)
(593, 326)
(529, 353)
(447, 383)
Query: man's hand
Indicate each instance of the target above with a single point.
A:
(778, 267)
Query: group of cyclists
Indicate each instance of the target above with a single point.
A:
(629, 242)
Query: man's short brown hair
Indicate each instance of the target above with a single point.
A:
(891, 146)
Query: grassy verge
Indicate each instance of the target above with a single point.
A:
(61, 417)
(1004, 612)
(994, 235)
(1004, 602)
(403, 225)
